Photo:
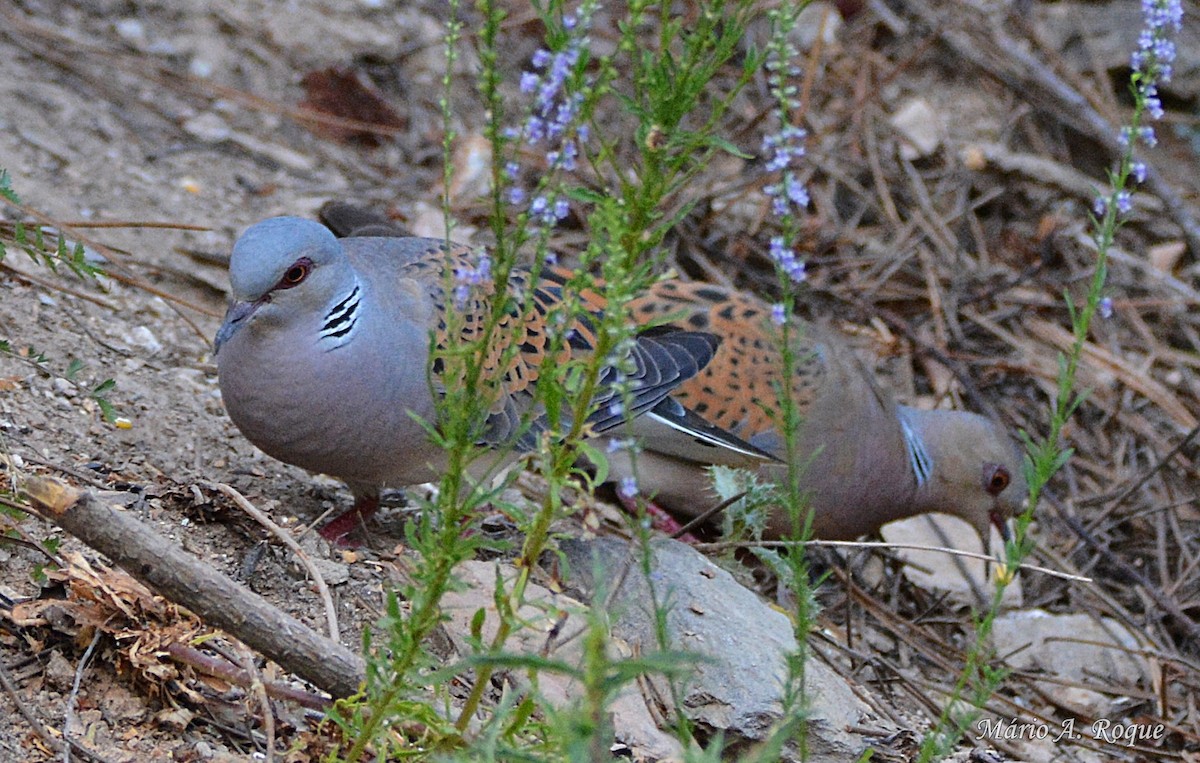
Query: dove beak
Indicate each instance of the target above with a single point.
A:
(1001, 523)
(235, 318)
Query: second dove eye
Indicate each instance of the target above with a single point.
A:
(995, 479)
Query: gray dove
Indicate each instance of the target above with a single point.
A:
(323, 357)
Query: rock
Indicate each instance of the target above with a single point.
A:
(472, 178)
(818, 21)
(429, 220)
(119, 705)
(920, 127)
(60, 674)
(964, 579)
(1104, 34)
(735, 690)
(1038, 640)
(547, 618)
(208, 127)
(334, 573)
(142, 338)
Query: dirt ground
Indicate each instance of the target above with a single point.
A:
(186, 113)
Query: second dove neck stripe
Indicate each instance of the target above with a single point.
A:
(918, 457)
(341, 320)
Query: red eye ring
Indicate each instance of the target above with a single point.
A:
(296, 274)
(995, 478)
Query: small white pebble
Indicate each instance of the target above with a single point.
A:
(200, 67)
(208, 127)
(131, 30)
(143, 338)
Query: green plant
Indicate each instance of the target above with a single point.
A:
(98, 393)
(1151, 64)
(50, 253)
(628, 191)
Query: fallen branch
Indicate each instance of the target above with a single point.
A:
(220, 668)
(183, 579)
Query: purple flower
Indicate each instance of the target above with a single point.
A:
(785, 259)
(535, 129)
(467, 277)
(554, 110)
(1105, 307)
(1124, 202)
(778, 314)
(617, 444)
(795, 190)
(1154, 107)
(1138, 170)
(1144, 134)
(784, 146)
(1156, 50)
(783, 149)
(627, 488)
(559, 91)
(546, 212)
(1100, 206)
(564, 158)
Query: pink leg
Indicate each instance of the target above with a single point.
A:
(660, 519)
(337, 529)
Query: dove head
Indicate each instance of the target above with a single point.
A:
(284, 269)
(972, 468)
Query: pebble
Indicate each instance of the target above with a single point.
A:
(207, 127)
(143, 338)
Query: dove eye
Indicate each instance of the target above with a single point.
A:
(995, 478)
(295, 274)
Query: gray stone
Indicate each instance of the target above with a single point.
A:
(544, 614)
(735, 688)
(1097, 651)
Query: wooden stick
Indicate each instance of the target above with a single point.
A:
(183, 579)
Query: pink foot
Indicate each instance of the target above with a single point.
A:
(337, 530)
(660, 518)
